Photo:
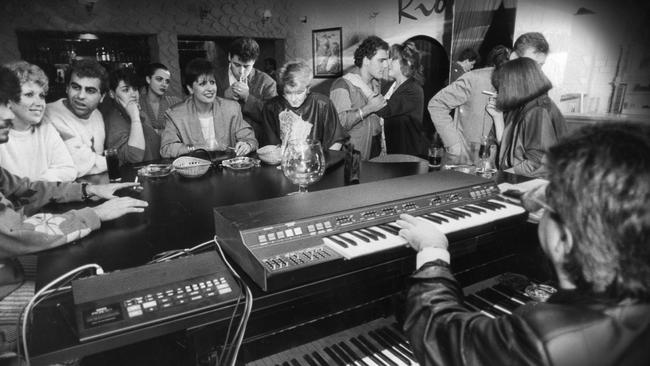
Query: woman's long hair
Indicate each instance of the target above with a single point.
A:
(518, 82)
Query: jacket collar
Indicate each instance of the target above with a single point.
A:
(193, 116)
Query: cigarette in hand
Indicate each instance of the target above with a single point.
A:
(137, 188)
(489, 93)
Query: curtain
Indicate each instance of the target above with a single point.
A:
(471, 22)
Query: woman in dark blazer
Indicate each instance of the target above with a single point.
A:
(530, 121)
(405, 103)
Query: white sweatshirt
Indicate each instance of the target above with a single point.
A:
(38, 155)
(84, 138)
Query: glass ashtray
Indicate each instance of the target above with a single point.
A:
(539, 292)
(155, 170)
(241, 163)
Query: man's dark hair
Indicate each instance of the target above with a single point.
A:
(368, 48)
(518, 82)
(468, 54)
(599, 188)
(89, 69)
(154, 66)
(125, 74)
(195, 68)
(498, 56)
(534, 40)
(246, 49)
(9, 86)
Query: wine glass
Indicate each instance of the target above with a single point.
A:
(303, 162)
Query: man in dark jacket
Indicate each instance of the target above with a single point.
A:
(595, 232)
(242, 82)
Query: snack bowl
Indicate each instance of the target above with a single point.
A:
(155, 170)
(191, 167)
(270, 154)
(240, 163)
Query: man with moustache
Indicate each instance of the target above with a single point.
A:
(24, 230)
(357, 96)
(243, 83)
(77, 119)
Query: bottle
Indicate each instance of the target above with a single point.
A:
(436, 151)
(484, 150)
(352, 164)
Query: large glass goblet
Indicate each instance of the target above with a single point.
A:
(303, 162)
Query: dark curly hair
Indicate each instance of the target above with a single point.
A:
(9, 86)
(599, 187)
(89, 69)
(125, 74)
(368, 48)
(469, 54)
(498, 56)
(246, 49)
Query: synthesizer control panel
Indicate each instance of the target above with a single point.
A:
(132, 298)
(296, 230)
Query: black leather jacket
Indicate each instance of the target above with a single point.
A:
(567, 330)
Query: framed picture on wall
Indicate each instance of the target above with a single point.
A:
(327, 52)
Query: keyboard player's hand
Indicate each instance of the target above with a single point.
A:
(420, 233)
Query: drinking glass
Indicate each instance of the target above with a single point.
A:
(303, 162)
(112, 165)
(485, 163)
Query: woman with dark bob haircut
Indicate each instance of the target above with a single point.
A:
(405, 103)
(527, 121)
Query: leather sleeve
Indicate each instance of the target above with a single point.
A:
(443, 332)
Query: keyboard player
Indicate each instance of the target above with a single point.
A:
(595, 232)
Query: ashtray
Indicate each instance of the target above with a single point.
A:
(539, 292)
(241, 163)
(155, 170)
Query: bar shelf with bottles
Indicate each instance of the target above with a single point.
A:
(55, 51)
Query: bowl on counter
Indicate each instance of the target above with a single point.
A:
(191, 167)
(270, 154)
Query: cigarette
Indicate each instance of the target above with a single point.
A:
(489, 93)
(136, 179)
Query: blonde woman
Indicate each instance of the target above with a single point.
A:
(35, 149)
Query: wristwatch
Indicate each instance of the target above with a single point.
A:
(84, 192)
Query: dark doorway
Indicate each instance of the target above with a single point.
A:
(435, 62)
(500, 32)
(215, 49)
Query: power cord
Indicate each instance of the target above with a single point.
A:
(233, 350)
(46, 291)
(171, 254)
